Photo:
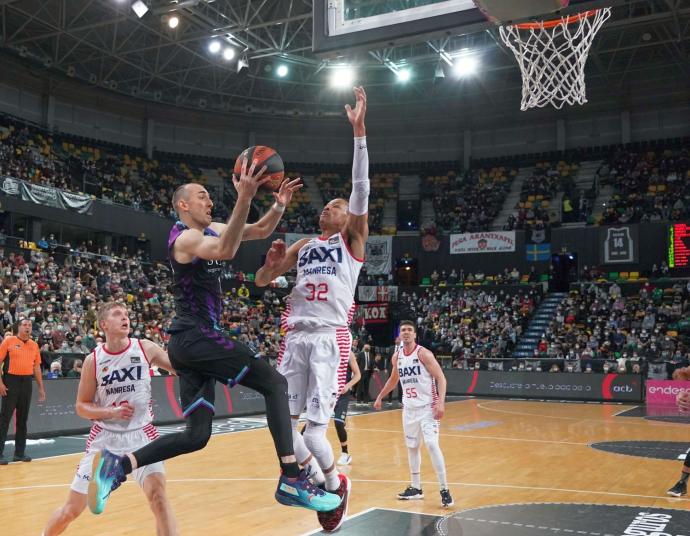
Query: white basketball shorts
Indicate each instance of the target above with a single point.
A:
(119, 443)
(314, 364)
(418, 423)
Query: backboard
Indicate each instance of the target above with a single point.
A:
(345, 26)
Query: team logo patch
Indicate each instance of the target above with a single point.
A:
(104, 369)
(333, 240)
(136, 359)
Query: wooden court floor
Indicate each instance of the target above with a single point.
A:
(497, 452)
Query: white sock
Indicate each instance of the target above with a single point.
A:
(316, 442)
(439, 463)
(304, 457)
(414, 457)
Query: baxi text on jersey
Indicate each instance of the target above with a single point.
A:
(122, 375)
(415, 370)
(321, 254)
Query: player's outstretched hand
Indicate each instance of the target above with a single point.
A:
(275, 254)
(357, 114)
(124, 411)
(377, 404)
(249, 180)
(683, 402)
(288, 187)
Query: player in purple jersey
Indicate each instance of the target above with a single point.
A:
(202, 353)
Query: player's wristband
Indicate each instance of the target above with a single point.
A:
(278, 207)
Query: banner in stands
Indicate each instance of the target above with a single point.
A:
(664, 392)
(57, 414)
(488, 242)
(618, 244)
(373, 313)
(377, 294)
(379, 255)
(46, 195)
(542, 385)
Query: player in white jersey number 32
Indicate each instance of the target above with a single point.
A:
(316, 347)
(424, 392)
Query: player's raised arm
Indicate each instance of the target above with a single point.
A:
(194, 202)
(357, 227)
(429, 361)
(390, 384)
(279, 260)
(269, 221)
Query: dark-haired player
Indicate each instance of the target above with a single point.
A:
(424, 391)
(316, 346)
(202, 353)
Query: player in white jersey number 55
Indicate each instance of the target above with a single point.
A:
(424, 392)
(316, 347)
(115, 394)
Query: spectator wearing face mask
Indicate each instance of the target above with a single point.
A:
(75, 371)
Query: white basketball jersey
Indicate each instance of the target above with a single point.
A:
(124, 377)
(418, 386)
(324, 292)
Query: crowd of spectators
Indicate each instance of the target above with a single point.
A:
(61, 290)
(124, 175)
(467, 202)
(384, 187)
(470, 323)
(507, 276)
(649, 186)
(630, 333)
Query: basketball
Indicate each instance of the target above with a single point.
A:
(265, 156)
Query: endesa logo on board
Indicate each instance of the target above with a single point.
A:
(665, 391)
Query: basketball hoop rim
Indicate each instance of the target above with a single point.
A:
(548, 24)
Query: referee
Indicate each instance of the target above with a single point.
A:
(15, 386)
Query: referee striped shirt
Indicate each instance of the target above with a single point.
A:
(23, 355)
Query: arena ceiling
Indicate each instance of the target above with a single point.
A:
(643, 50)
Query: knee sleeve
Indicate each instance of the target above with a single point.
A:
(414, 458)
(301, 451)
(342, 432)
(316, 442)
(436, 458)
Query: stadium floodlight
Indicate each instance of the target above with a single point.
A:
(403, 75)
(174, 22)
(282, 71)
(140, 8)
(228, 53)
(214, 46)
(342, 76)
(465, 66)
(243, 63)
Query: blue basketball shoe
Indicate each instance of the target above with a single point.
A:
(106, 476)
(301, 492)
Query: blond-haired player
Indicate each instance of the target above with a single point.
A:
(115, 393)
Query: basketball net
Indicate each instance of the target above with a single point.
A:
(552, 57)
